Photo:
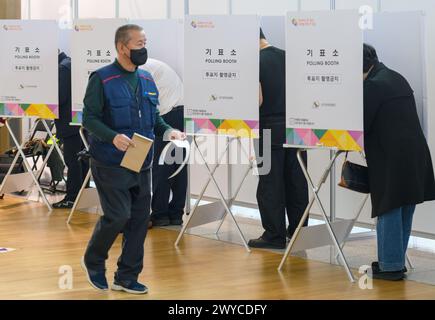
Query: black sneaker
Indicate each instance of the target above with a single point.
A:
(129, 286)
(160, 222)
(95, 279)
(64, 204)
(176, 222)
(375, 266)
(385, 275)
(263, 244)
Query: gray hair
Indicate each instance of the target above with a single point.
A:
(123, 33)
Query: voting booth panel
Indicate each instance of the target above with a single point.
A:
(28, 81)
(28, 89)
(222, 104)
(221, 97)
(221, 87)
(324, 81)
(164, 41)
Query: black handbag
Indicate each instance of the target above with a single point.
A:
(354, 177)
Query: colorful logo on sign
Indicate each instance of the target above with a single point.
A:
(83, 27)
(304, 22)
(12, 27)
(202, 24)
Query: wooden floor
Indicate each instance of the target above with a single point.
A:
(199, 269)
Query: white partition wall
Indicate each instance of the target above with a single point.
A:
(96, 9)
(264, 8)
(143, 9)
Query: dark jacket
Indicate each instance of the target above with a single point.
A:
(398, 157)
(63, 127)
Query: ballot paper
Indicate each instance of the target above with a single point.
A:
(134, 157)
(168, 149)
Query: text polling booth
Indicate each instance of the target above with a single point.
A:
(324, 84)
(92, 47)
(28, 89)
(221, 81)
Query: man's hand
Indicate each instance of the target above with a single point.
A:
(122, 142)
(176, 135)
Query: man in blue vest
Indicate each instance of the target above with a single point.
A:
(121, 100)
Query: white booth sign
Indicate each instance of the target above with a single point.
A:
(324, 80)
(221, 77)
(29, 69)
(93, 46)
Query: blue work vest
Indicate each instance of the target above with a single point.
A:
(125, 112)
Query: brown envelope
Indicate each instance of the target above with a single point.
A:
(134, 157)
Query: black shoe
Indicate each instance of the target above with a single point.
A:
(160, 222)
(375, 266)
(64, 204)
(132, 287)
(95, 279)
(386, 275)
(176, 222)
(263, 244)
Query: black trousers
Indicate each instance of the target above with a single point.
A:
(284, 190)
(125, 199)
(77, 170)
(162, 208)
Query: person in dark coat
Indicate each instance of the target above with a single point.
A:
(70, 137)
(398, 159)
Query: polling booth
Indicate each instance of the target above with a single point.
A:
(221, 63)
(92, 47)
(28, 89)
(324, 107)
(89, 54)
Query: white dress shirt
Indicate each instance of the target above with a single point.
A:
(168, 83)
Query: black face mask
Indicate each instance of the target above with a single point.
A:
(139, 56)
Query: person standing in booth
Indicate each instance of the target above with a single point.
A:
(284, 189)
(69, 136)
(170, 86)
(121, 100)
(398, 159)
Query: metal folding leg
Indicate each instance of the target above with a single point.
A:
(239, 187)
(84, 185)
(28, 167)
(315, 197)
(211, 178)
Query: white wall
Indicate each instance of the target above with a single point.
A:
(208, 6)
(265, 8)
(143, 9)
(425, 214)
(48, 9)
(96, 9)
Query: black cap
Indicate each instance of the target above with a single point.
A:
(370, 57)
